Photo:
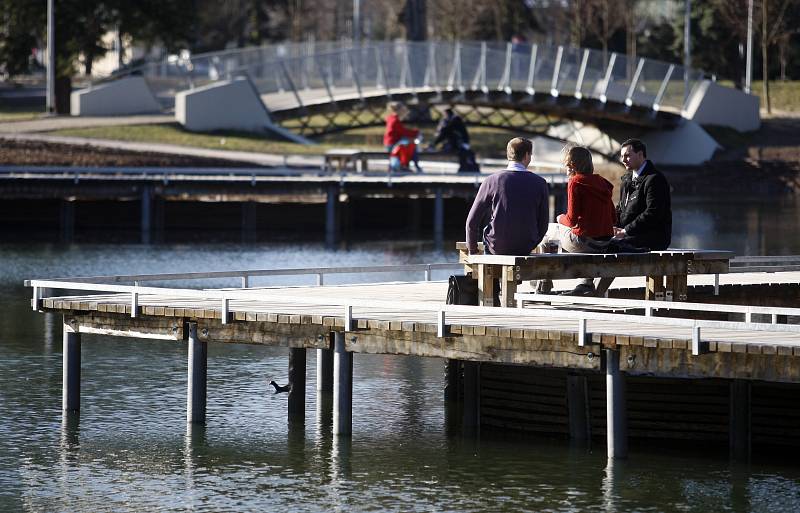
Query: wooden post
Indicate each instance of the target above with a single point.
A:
(67, 220)
(249, 221)
(71, 372)
(452, 372)
(197, 376)
(297, 383)
(616, 421)
(332, 216)
(438, 220)
(580, 427)
(343, 388)
(485, 285)
(508, 288)
(325, 369)
(146, 214)
(740, 413)
(655, 288)
(471, 421)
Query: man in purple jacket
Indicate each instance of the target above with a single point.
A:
(510, 212)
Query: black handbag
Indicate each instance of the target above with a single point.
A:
(462, 290)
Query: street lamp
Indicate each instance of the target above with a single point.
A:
(50, 100)
(748, 77)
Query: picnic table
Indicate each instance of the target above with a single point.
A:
(665, 271)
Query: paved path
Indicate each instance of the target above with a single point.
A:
(51, 123)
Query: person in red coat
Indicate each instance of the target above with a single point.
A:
(588, 224)
(397, 133)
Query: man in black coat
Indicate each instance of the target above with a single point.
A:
(644, 212)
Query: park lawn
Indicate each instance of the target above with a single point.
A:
(12, 113)
(784, 95)
(488, 142)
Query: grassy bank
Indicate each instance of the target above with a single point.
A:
(13, 113)
(489, 142)
(784, 95)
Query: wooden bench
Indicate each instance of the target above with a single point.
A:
(665, 271)
(356, 160)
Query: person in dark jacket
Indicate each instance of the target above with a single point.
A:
(510, 210)
(644, 211)
(451, 131)
(588, 224)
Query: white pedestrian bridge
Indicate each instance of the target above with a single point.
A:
(305, 89)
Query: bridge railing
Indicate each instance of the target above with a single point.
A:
(405, 66)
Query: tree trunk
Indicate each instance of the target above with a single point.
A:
(764, 56)
(63, 90)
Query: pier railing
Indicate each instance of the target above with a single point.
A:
(228, 301)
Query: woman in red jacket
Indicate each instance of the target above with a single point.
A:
(397, 134)
(588, 224)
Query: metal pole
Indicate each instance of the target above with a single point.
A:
(616, 422)
(356, 21)
(197, 376)
(748, 77)
(438, 220)
(71, 372)
(324, 370)
(687, 48)
(51, 59)
(343, 388)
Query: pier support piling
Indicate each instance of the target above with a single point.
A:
(578, 407)
(471, 420)
(325, 369)
(452, 372)
(249, 221)
(616, 415)
(146, 214)
(332, 217)
(438, 220)
(740, 413)
(297, 384)
(67, 220)
(343, 387)
(197, 374)
(71, 373)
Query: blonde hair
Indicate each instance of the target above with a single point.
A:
(517, 148)
(579, 159)
(396, 107)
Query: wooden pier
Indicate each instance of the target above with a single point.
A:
(633, 344)
(63, 191)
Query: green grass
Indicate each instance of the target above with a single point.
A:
(9, 113)
(488, 142)
(784, 95)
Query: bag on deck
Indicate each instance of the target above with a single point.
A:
(462, 290)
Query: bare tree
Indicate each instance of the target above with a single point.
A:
(773, 27)
(605, 19)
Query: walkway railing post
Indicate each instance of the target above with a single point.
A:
(616, 415)
(343, 387)
(71, 372)
(197, 377)
(531, 88)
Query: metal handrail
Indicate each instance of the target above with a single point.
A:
(250, 273)
(225, 298)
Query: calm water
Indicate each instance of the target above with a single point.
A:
(131, 450)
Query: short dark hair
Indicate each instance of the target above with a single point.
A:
(637, 145)
(517, 148)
